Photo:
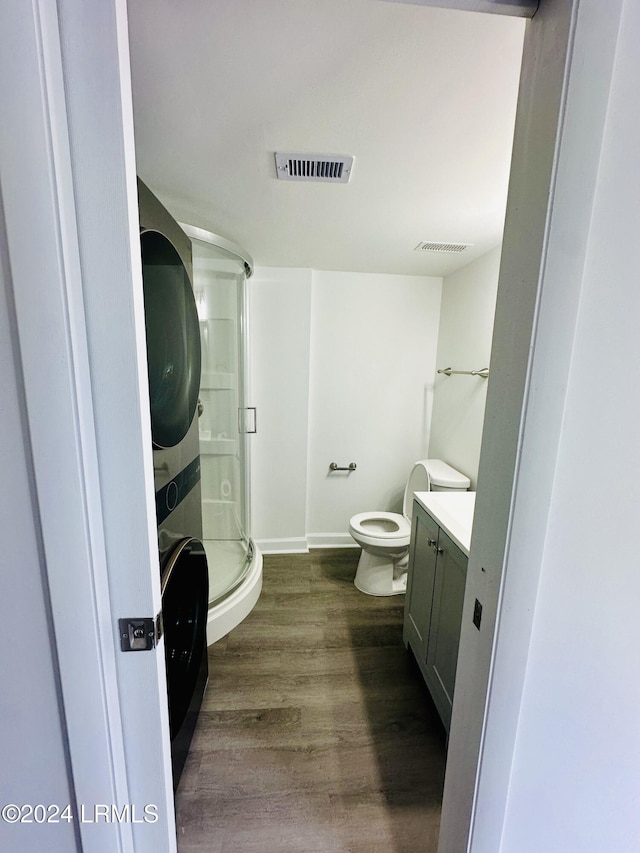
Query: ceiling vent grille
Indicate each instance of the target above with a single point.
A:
(328, 168)
(442, 247)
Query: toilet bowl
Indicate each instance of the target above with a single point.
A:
(384, 536)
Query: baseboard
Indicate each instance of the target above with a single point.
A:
(302, 544)
(331, 540)
(294, 545)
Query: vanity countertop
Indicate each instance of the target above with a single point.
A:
(453, 512)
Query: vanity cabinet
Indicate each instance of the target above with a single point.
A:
(433, 606)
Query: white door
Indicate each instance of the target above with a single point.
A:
(66, 150)
(67, 173)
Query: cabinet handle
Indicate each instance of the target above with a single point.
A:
(431, 542)
(438, 550)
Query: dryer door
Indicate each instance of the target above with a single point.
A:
(185, 594)
(173, 340)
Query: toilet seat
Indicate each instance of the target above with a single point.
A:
(381, 528)
(384, 537)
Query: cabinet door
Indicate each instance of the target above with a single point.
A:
(420, 581)
(446, 619)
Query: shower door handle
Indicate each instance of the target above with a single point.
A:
(244, 420)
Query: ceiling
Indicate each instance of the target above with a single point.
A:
(424, 99)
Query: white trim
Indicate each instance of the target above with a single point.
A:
(583, 83)
(303, 544)
(561, 108)
(294, 545)
(39, 205)
(103, 160)
(331, 540)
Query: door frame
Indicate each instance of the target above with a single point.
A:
(73, 184)
(512, 8)
(568, 60)
(67, 171)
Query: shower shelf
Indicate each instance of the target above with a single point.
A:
(218, 446)
(218, 381)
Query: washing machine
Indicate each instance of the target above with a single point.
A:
(173, 360)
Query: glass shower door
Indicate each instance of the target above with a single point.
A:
(219, 278)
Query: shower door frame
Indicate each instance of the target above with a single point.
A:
(219, 242)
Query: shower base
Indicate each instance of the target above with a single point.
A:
(226, 613)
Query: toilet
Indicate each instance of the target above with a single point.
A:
(384, 536)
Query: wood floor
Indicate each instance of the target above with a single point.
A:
(316, 733)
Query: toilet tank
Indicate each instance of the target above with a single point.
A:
(444, 478)
(432, 475)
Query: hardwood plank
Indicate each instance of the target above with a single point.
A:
(247, 728)
(377, 823)
(317, 732)
(285, 822)
(309, 661)
(355, 723)
(229, 693)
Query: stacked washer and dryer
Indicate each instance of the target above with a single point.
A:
(173, 357)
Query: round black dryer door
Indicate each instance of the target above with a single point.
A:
(173, 340)
(185, 594)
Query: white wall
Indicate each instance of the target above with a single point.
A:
(464, 343)
(373, 348)
(575, 775)
(32, 734)
(279, 319)
(342, 365)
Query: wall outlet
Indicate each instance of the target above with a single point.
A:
(477, 614)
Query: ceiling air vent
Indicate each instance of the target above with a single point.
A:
(329, 168)
(442, 247)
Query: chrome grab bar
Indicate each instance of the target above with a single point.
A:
(333, 466)
(483, 372)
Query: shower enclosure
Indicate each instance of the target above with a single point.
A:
(220, 272)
